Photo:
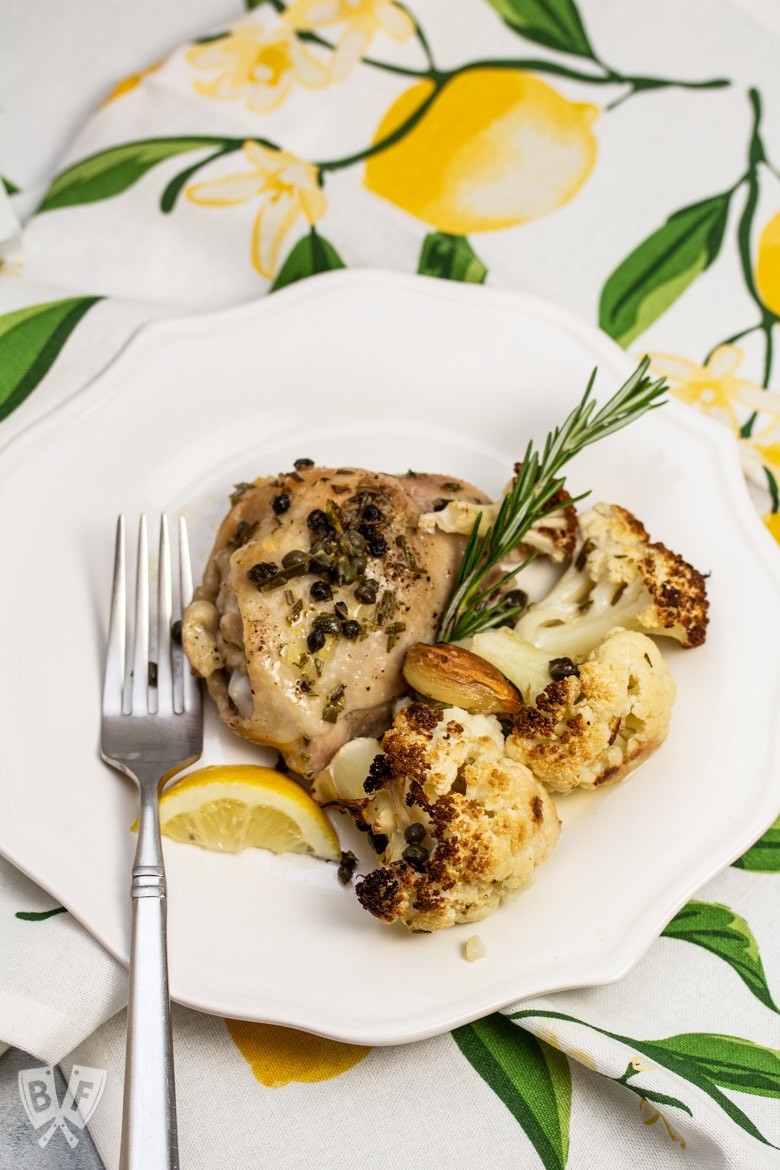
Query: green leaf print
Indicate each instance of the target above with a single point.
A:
(646, 1094)
(764, 856)
(657, 272)
(103, 175)
(452, 258)
(709, 1061)
(725, 934)
(554, 23)
(727, 1061)
(30, 340)
(532, 1079)
(9, 187)
(39, 915)
(312, 254)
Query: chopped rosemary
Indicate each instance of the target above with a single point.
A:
(335, 704)
(477, 602)
(394, 632)
(239, 490)
(385, 607)
(244, 531)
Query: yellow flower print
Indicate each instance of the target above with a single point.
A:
(650, 1115)
(279, 1055)
(640, 1065)
(714, 387)
(285, 187)
(256, 65)
(717, 390)
(10, 268)
(128, 84)
(361, 21)
(762, 447)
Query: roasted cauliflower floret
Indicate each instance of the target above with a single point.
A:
(617, 578)
(598, 723)
(459, 825)
(554, 535)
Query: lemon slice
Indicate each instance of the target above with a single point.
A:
(232, 807)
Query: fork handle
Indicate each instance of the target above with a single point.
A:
(149, 1131)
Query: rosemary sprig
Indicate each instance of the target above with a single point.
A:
(475, 605)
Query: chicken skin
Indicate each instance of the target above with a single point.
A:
(318, 582)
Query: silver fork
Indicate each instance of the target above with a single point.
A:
(151, 728)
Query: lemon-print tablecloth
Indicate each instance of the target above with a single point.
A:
(619, 159)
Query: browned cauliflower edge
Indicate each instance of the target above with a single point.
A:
(554, 535)
(458, 825)
(595, 725)
(618, 577)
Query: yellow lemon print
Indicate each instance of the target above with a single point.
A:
(496, 147)
(768, 265)
(279, 1055)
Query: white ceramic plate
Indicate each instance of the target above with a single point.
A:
(386, 372)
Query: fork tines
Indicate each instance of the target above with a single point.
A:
(145, 668)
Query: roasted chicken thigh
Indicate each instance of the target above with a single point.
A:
(318, 582)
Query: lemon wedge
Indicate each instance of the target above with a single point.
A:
(231, 807)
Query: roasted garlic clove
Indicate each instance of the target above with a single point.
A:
(452, 675)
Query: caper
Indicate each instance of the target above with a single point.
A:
(377, 546)
(280, 503)
(371, 514)
(562, 668)
(321, 591)
(316, 640)
(353, 542)
(378, 842)
(414, 833)
(319, 524)
(320, 564)
(341, 611)
(300, 464)
(516, 597)
(296, 556)
(351, 629)
(328, 623)
(415, 856)
(344, 570)
(347, 866)
(367, 590)
(262, 571)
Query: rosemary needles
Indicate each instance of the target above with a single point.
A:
(479, 598)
